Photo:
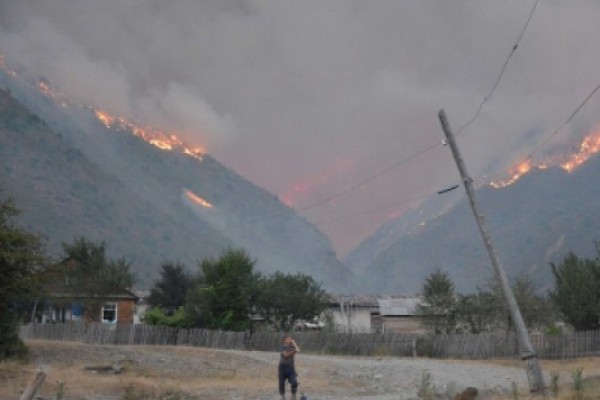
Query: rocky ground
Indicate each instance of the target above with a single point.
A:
(181, 373)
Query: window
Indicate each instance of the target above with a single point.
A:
(109, 313)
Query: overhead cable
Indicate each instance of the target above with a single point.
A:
(552, 135)
(495, 85)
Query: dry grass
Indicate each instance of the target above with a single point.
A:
(150, 372)
(563, 369)
(185, 373)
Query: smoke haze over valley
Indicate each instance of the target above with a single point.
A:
(309, 99)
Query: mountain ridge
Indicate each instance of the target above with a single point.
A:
(73, 176)
(533, 222)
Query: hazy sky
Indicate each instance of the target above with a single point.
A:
(309, 98)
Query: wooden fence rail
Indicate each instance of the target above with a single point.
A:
(465, 346)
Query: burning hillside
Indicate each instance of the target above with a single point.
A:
(159, 138)
(589, 146)
(156, 137)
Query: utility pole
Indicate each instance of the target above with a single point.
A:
(534, 372)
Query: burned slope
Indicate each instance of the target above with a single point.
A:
(73, 176)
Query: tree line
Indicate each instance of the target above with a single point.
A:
(224, 293)
(574, 300)
(227, 293)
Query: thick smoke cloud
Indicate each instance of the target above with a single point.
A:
(308, 98)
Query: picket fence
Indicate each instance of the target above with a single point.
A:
(460, 346)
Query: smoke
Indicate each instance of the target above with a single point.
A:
(285, 92)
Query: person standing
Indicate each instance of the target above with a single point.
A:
(287, 370)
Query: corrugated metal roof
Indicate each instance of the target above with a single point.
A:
(399, 306)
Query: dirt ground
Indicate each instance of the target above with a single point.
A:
(186, 373)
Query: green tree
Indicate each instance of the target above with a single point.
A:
(439, 301)
(537, 309)
(576, 292)
(21, 261)
(88, 271)
(227, 294)
(486, 310)
(477, 312)
(283, 299)
(170, 291)
(177, 319)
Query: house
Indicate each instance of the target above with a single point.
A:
(353, 313)
(376, 314)
(65, 301)
(400, 315)
(116, 307)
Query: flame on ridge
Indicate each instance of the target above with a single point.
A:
(156, 137)
(589, 146)
(197, 199)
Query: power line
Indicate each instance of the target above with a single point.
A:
(370, 179)
(375, 210)
(495, 85)
(342, 193)
(551, 136)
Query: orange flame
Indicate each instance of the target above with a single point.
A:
(156, 137)
(105, 118)
(197, 199)
(55, 95)
(589, 146)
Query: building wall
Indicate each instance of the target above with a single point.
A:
(125, 311)
(406, 324)
(353, 319)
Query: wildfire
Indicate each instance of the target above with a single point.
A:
(55, 95)
(156, 137)
(589, 146)
(5, 68)
(197, 199)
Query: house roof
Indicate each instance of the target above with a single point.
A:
(125, 294)
(399, 306)
(356, 300)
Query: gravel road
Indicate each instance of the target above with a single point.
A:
(227, 374)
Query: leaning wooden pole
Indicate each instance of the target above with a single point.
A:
(33, 386)
(534, 372)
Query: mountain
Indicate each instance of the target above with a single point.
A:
(532, 223)
(72, 176)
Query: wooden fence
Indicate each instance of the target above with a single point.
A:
(465, 346)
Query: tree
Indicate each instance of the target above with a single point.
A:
(227, 294)
(439, 301)
(283, 299)
(88, 271)
(177, 319)
(576, 292)
(478, 312)
(170, 291)
(486, 310)
(21, 261)
(537, 309)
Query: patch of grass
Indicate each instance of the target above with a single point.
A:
(514, 391)
(426, 387)
(577, 376)
(554, 383)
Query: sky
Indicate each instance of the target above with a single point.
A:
(309, 99)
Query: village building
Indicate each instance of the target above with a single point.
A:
(400, 315)
(62, 301)
(375, 314)
(117, 307)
